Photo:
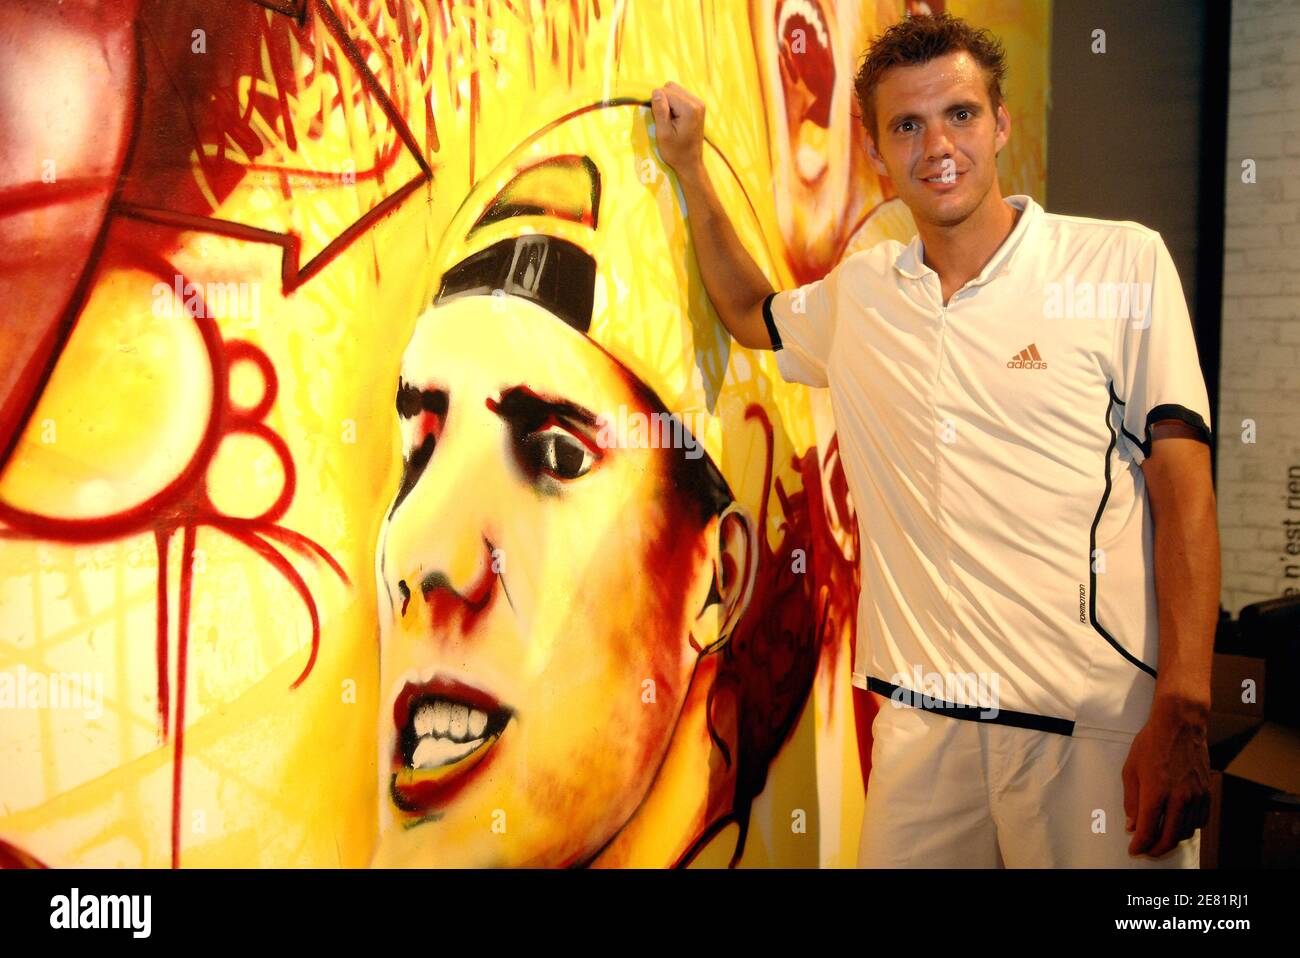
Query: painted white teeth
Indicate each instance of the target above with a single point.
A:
(433, 752)
(450, 720)
(477, 722)
(425, 753)
(424, 721)
(459, 721)
(809, 13)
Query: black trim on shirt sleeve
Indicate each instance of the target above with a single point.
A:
(772, 334)
(1182, 414)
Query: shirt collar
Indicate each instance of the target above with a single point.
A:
(911, 262)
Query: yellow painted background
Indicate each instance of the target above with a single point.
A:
(275, 776)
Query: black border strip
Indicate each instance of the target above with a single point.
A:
(772, 334)
(1111, 400)
(971, 713)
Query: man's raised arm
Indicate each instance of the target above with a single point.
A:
(733, 280)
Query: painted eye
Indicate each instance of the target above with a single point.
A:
(557, 452)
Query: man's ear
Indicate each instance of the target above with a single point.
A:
(874, 156)
(735, 567)
(1002, 132)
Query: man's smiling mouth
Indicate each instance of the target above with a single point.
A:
(445, 731)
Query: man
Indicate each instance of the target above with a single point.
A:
(1025, 431)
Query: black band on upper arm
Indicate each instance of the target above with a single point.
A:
(1182, 414)
(772, 334)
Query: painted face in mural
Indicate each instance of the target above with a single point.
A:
(935, 112)
(807, 50)
(538, 583)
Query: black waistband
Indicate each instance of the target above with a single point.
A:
(974, 713)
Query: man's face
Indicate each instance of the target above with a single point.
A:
(935, 122)
(539, 584)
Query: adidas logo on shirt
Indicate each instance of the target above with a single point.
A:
(1027, 358)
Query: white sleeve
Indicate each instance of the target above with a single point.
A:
(1158, 373)
(801, 325)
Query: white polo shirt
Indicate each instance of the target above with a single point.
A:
(992, 449)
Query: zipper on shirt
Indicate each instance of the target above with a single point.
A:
(938, 484)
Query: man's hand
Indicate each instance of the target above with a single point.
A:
(735, 284)
(679, 126)
(1167, 779)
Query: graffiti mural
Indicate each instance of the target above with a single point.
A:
(377, 483)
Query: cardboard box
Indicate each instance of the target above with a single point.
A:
(1255, 780)
(1272, 629)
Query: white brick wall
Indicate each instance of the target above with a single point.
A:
(1260, 376)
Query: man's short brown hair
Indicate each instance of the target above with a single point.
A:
(920, 39)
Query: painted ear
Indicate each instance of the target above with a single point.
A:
(735, 567)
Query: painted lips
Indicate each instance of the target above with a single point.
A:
(446, 734)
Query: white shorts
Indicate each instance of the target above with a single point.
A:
(957, 793)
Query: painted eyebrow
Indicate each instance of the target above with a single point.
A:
(969, 105)
(519, 403)
(515, 403)
(519, 406)
(412, 400)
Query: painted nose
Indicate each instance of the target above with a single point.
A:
(465, 586)
(438, 538)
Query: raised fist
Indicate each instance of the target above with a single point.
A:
(679, 125)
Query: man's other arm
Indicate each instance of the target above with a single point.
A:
(1169, 764)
